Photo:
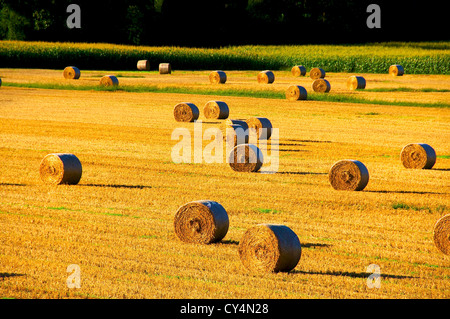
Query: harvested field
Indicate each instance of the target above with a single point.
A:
(116, 224)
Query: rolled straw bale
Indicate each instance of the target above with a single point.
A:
(165, 68)
(349, 175)
(217, 77)
(0, 82)
(143, 65)
(202, 222)
(298, 70)
(356, 82)
(71, 73)
(317, 73)
(60, 168)
(246, 158)
(441, 234)
(261, 125)
(296, 92)
(270, 248)
(216, 110)
(234, 124)
(241, 122)
(266, 77)
(396, 70)
(420, 156)
(235, 135)
(186, 112)
(321, 86)
(109, 80)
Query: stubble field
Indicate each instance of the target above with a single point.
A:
(117, 223)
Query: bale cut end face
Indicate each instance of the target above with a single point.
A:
(246, 158)
(202, 222)
(356, 83)
(261, 126)
(396, 70)
(418, 156)
(60, 168)
(266, 77)
(186, 112)
(298, 70)
(71, 73)
(348, 175)
(317, 73)
(109, 81)
(441, 234)
(321, 86)
(270, 248)
(217, 110)
(217, 77)
(296, 92)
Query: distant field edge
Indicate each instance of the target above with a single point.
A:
(415, 57)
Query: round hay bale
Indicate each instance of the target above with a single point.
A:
(143, 65)
(186, 112)
(356, 82)
(270, 248)
(261, 125)
(202, 222)
(419, 156)
(216, 110)
(60, 168)
(321, 86)
(71, 73)
(298, 70)
(348, 175)
(296, 92)
(441, 234)
(234, 124)
(396, 70)
(266, 77)
(241, 122)
(317, 73)
(235, 135)
(245, 158)
(109, 80)
(165, 68)
(0, 82)
(217, 77)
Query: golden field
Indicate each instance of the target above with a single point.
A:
(117, 223)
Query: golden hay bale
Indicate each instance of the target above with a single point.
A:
(202, 222)
(420, 156)
(270, 248)
(217, 77)
(356, 82)
(396, 70)
(241, 122)
(266, 77)
(0, 82)
(261, 125)
(298, 70)
(71, 73)
(186, 112)
(296, 92)
(234, 124)
(216, 110)
(321, 86)
(109, 80)
(143, 65)
(235, 135)
(60, 168)
(317, 73)
(348, 175)
(245, 158)
(165, 68)
(441, 234)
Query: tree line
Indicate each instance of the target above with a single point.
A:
(222, 22)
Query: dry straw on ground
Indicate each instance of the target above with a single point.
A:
(420, 156)
(356, 82)
(217, 110)
(296, 92)
(317, 73)
(298, 70)
(186, 112)
(109, 80)
(71, 73)
(246, 158)
(261, 125)
(349, 175)
(202, 222)
(441, 234)
(321, 86)
(270, 248)
(165, 68)
(396, 70)
(143, 65)
(60, 168)
(217, 77)
(266, 77)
